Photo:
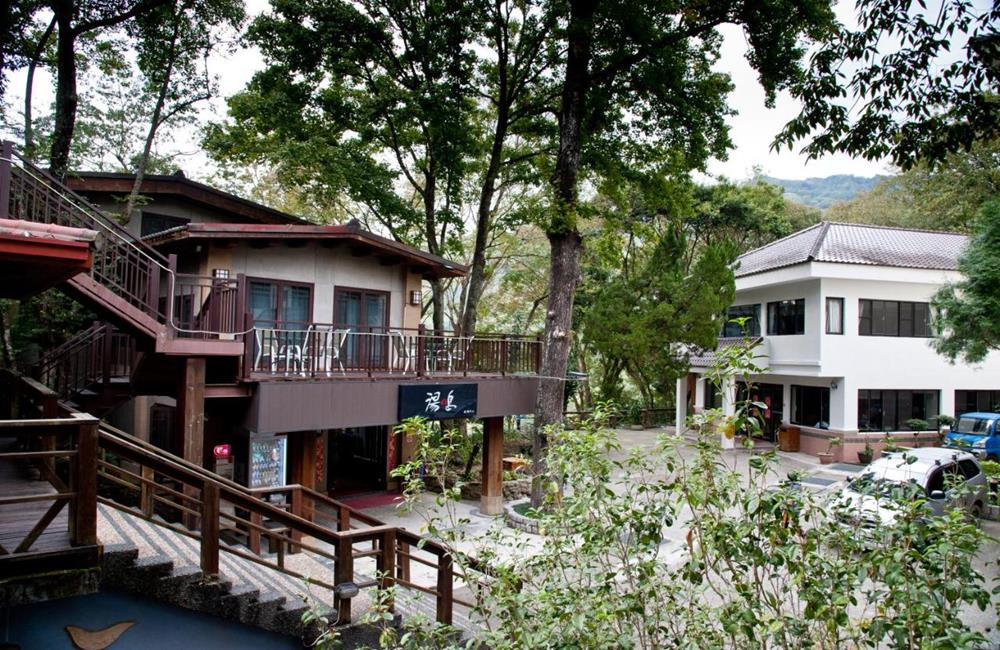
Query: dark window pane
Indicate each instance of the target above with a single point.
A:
(921, 319)
(906, 319)
(751, 326)
(786, 317)
(865, 317)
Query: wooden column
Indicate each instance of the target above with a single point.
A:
(302, 449)
(191, 410)
(491, 502)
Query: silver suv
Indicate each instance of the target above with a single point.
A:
(944, 478)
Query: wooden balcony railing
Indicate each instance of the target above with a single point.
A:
(331, 350)
(62, 450)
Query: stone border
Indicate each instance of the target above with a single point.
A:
(519, 521)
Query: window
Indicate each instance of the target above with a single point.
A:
(280, 304)
(968, 468)
(811, 406)
(834, 315)
(970, 401)
(786, 317)
(893, 318)
(888, 410)
(154, 223)
(750, 328)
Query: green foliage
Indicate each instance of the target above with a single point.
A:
(759, 563)
(967, 313)
(929, 96)
(944, 196)
(917, 424)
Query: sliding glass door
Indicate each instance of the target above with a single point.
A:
(366, 314)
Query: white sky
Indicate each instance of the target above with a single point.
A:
(752, 129)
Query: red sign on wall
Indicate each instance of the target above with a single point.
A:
(222, 451)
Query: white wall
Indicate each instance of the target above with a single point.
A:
(857, 362)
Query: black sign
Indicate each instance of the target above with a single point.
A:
(438, 401)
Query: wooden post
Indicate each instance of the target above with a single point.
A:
(504, 354)
(191, 419)
(444, 589)
(296, 507)
(84, 513)
(6, 158)
(421, 350)
(343, 518)
(106, 353)
(538, 353)
(491, 501)
(147, 491)
(210, 528)
(254, 533)
(191, 410)
(403, 561)
(344, 572)
(385, 565)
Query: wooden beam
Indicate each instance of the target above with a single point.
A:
(491, 501)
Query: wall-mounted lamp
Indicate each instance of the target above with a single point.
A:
(220, 274)
(833, 384)
(415, 297)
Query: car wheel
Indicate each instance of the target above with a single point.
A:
(993, 457)
(977, 512)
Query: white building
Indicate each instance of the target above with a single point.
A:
(843, 314)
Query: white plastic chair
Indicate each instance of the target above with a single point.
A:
(401, 351)
(266, 348)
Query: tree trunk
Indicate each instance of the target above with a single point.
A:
(564, 238)
(154, 125)
(66, 97)
(29, 85)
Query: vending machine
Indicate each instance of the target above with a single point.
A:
(268, 461)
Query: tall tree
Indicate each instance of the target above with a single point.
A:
(638, 91)
(372, 99)
(967, 313)
(518, 92)
(173, 45)
(74, 19)
(910, 82)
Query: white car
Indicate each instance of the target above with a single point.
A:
(932, 474)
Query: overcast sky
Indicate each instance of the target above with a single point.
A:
(752, 129)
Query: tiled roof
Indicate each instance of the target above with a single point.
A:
(707, 358)
(849, 243)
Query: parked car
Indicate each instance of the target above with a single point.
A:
(939, 477)
(977, 433)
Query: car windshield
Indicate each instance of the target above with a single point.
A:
(882, 488)
(972, 425)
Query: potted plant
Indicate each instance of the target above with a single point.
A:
(944, 422)
(917, 425)
(865, 455)
(890, 444)
(826, 457)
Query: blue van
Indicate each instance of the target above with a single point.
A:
(978, 433)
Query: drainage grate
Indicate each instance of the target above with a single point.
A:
(815, 480)
(846, 467)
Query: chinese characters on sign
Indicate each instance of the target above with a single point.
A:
(438, 401)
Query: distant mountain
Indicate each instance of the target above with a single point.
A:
(824, 192)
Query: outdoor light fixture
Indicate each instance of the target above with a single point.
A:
(415, 297)
(833, 384)
(220, 274)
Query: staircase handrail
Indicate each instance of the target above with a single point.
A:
(96, 217)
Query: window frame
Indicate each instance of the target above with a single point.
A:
(889, 403)
(826, 315)
(875, 316)
(339, 290)
(754, 320)
(279, 322)
(795, 413)
(776, 304)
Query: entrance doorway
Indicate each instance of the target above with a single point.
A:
(357, 460)
(773, 396)
(366, 314)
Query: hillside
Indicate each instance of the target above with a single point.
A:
(824, 192)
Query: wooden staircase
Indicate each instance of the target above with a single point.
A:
(180, 533)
